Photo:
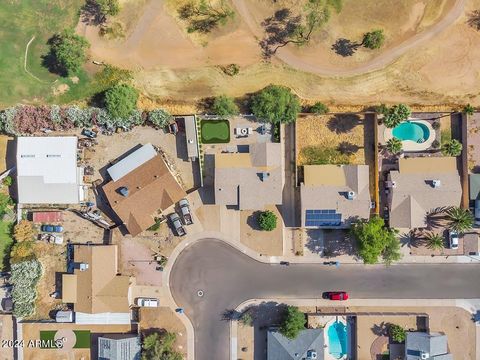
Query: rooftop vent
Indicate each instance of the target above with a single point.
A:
(123, 191)
(425, 355)
(351, 195)
(311, 355)
(436, 183)
(83, 267)
(264, 175)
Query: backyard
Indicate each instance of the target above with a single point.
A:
(215, 131)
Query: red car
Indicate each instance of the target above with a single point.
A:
(337, 295)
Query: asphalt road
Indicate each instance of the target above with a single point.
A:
(228, 277)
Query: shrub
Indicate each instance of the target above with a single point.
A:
(381, 109)
(231, 69)
(319, 155)
(397, 333)
(7, 181)
(436, 144)
(160, 346)
(121, 100)
(7, 120)
(78, 117)
(373, 39)
(452, 148)
(224, 106)
(276, 132)
(31, 119)
(394, 146)
(24, 278)
(108, 7)
(267, 220)
(159, 118)
(23, 231)
(67, 52)
(22, 251)
(112, 75)
(5, 201)
(468, 109)
(396, 114)
(246, 319)
(319, 108)
(276, 104)
(293, 323)
(436, 125)
(204, 17)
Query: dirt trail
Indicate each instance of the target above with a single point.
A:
(379, 62)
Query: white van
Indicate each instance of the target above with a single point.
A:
(147, 302)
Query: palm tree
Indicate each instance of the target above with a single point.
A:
(394, 146)
(434, 241)
(452, 148)
(468, 109)
(460, 219)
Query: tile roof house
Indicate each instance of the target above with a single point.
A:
(334, 195)
(305, 346)
(95, 286)
(47, 171)
(420, 186)
(250, 180)
(119, 347)
(424, 346)
(141, 185)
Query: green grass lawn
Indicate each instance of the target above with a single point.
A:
(19, 21)
(6, 242)
(215, 131)
(83, 338)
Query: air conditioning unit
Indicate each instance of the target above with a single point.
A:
(424, 355)
(83, 266)
(351, 195)
(436, 183)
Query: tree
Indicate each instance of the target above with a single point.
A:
(276, 104)
(434, 241)
(204, 17)
(267, 220)
(397, 333)
(460, 219)
(468, 109)
(67, 53)
(293, 322)
(23, 231)
(224, 106)
(452, 148)
(121, 100)
(373, 39)
(319, 108)
(375, 240)
(159, 118)
(7, 181)
(108, 7)
(396, 114)
(159, 346)
(394, 146)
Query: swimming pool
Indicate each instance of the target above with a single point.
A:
(411, 130)
(337, 339)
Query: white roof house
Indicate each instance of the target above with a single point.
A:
(131, 162)
(47, 171)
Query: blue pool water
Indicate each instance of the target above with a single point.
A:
(413, 131)
(337, 340)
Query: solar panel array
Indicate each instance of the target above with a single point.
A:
(317, 218)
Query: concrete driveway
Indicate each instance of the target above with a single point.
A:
(228, 277)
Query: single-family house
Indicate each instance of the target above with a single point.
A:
(426, 346)
(334, 196)
(249, 180)
(47, 170)
(119, 347)
(309, 344)
(141, 186)
(98, 293)
(420, 186)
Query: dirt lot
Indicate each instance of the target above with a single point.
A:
(441, 69)
(155, 319)
(6, 333)
(340, 132)
(269, 243)
(31, 331)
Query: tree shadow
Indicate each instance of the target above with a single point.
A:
(252, 220)
(49, 60)
(343, 123)
(474, 20)
(348, 148)
(437, 217)
(380, 329)
(91, 14)
(345, 47)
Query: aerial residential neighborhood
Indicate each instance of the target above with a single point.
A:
(240, 180)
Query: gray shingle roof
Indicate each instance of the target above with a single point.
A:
(119, 347)
(433, 346)
(281, 348)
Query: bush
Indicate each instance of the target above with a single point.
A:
(246, 319)
(276, 104)
(276, 132)
(160, 346)
(436, 144)
(7, 181)
(452, 148)
(108, 7)
(23, 231)
(24, 278)
(159, 118)
(436, 125)
(267, 220)
(319, 108)
(5, 201)
(293, 322)
(319, 155)
(7, 120)
(373, 39)
(110, 76)
(22, 251)
(67, 53)
(224, 106)
(397, 333)
(231, 69)
(121, 101)
(468, 109)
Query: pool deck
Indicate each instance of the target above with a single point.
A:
(409, 145)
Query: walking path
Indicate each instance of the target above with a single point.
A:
(377, 63)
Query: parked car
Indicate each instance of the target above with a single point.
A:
(336, 295)
(185, 209)
(52, 228)
(453, 239)
(147, 302)
(477, 212)
(89, 133)
(177, 224)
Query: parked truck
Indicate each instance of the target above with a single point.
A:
(185, 209)
(177, 224)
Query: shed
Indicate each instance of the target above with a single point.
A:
(191, 136)
(131, 162)
(47, 216)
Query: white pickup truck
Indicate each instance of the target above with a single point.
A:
(147, 302)
(186, 214)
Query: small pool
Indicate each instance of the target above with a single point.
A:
(411, 130)
(337, 339)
